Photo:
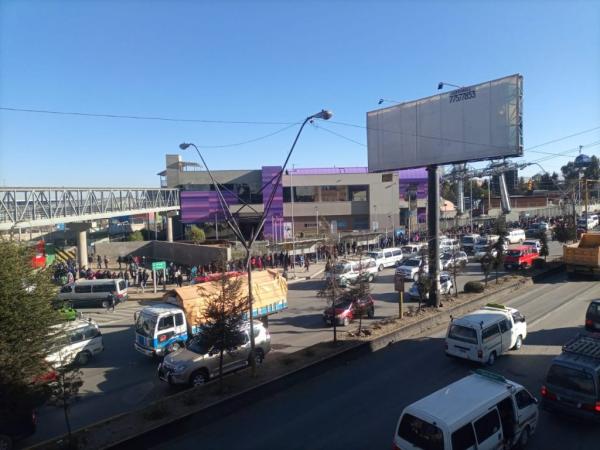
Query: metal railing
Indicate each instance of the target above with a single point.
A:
(25, 207)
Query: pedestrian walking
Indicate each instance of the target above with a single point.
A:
(99, 259)
(110, 301)
(106, 262)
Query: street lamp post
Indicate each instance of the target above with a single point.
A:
(234, 225)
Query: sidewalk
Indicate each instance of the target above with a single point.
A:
(315, 271)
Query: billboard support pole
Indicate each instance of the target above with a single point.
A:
(433, 231)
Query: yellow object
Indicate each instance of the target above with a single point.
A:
(586, 252)
(269, 294)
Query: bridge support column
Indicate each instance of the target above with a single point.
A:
(82, 254)
(169, 229)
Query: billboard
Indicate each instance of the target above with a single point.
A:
(469, 124)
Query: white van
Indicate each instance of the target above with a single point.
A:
(468, 242)
(347, 272)
(485, 334)
(92, 293)
(481, 411)
(515, 236)
(387, 257)
(74, 342)
(448, 245)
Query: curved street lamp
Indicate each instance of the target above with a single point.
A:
(233, 224)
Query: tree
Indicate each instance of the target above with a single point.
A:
(486, 265)
(224, 315)
(544, 251)
(456, 270)
(360, 292)
(64, 390)
(136, 236)
(197, 234)
(565, 231)
(423, 284)
(26, 315)
(498, 246)
(331, 292)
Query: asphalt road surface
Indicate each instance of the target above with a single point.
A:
(356, 406)
(120, 379)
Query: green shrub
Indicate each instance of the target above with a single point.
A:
(136, 236)
(474, 286)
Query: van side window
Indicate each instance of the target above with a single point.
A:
(165, 322)
(79, 289)
(178, 319)
(489, 332)
(387, 254)
(504, 326)
(397, 253)
(524, 399)
(122, 285)
(487, 426)
(463, 438)
(104, 287)
(65, 289)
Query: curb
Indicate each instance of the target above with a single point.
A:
(310, 277)
(212, 411)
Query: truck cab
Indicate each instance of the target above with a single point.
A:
(160, 329)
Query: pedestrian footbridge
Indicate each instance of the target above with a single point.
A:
(26, 207)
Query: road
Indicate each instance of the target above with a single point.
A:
(120, 379)
(356, 406)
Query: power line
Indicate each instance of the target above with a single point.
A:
(340, 136)
(123, 116)
(260, 138)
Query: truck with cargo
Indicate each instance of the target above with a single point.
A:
(583, 256)
(167, 326)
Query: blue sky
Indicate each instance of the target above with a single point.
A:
(269, 61)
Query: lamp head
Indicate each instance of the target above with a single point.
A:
(380, 101)
(323, 114)
(184, 146)
(440, 85)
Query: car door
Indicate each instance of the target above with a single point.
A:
(527, 410)
(238, 356)
(488, 431)
(491, 340)
(387, 258)
(506, 333)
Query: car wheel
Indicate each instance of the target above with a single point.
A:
(380, 268)
(491, 359)
(198, 378)
(174, 347)
(371, 313)
(5, 442)
(524, 438)
(518, 343)
(346, 322)
(82, 358)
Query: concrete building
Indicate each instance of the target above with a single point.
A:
(307, 202)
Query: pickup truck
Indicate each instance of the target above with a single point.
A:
(583, 256)
(166, 327)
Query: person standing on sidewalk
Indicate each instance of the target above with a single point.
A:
(106, 260)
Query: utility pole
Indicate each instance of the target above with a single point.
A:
(586, 204)
(433, 225)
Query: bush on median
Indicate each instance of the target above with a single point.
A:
(474, 286)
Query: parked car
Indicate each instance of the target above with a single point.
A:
(346, 308)
(468, 242)
(347, 272)
(485, 334)
(446, 286)
(533, 243)
(449, 260)
(197, 363)
(515, 236)
(483, 410)
(520, 257)
(572, 385)
(92, 293)
(16, 424)
(482, 251)
(409, 269)
(592, 316)
(410, 251)
(75, 341)
(387, 257)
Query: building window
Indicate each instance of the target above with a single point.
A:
(360, 222)
(305, 194)
(287, 197)
(359, 193)
(334, 193)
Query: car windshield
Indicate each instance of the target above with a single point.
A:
(373, 255)
(420, 434)
(198, 345)
(514, 253)
(341, 268)
(464, 334)
(412, 262)
(145, 325)
(407, 249)
(571, 379)
(344, 304)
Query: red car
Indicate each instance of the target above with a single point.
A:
(345, 311)
(520, 257)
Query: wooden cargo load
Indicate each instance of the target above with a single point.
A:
(269, 293)
(585, 253)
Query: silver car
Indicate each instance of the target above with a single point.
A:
(197, 363)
